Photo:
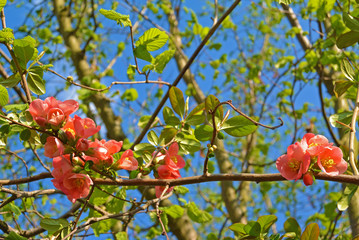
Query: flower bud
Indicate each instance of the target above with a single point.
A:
(308, 179)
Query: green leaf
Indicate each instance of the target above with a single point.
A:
(311, 232)
(169, 117)
(16, 107)
(177, 100)
(238, 126)
(197, 215)
(291, 225)
(195, 120)
(11, 207)
(11, 81)
(347, 39)
(15, 236)
(253, 229)
(344, 117)
(121, 236)
(347, 195)
(174, 211)
(239, 229)
(167, 135)
(6, 35)
(350, 22)
(181, 190)
(161, 60)
(341, 87)
(203, 133)
(131, 72)
(152, 138)
(130, 94)
(4, 96)
(211, 167)
(142, 53)
(25, 134)
(35, 81)
(347, 69)
(210, 103)
(188, 143)
(144, 147)
(2, 4)
(53, 225)
(266, 221)
(153, 39)
(24, 50)
(123, 20)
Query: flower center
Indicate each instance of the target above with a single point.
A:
(79, 183)
(174, 159)
(327, 163)
(313, 145)
(294, 164)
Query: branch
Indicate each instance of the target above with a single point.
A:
(352, 135)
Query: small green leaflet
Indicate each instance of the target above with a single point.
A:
(6, 35)
(123, 20)
(24, 50)
(2, 4)
(161, 60)
(347, 195)
(4, 96)
(177, 100)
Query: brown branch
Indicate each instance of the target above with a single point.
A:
(352, 136)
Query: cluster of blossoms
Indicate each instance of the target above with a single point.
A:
(313, 153)
(168, 165)
(70, 147)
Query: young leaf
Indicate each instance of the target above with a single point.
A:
(152, 138)
(2, 4)
(11, 81)
(344, 117)
(341, 87)
(167, 134)
(347, 39)
(153, 39)
(130, 94)
(196, 214)
(239, 229)
(253, 229)
(347, 69)
(291, 225)
(24, 50)
(238, 126)
(15, 236)
(161, 60)
(142, 53)
(350, 22)
(123, 20)
(188, 143)
(6, 35)
(311, 232)
(347, 195)
(16, 107)
(35, 81)
(266, 221)
(177, 100)
(174, 211)
(169, 117)
(181, 190)
(4, 96)
(210, 103)
(203, 133)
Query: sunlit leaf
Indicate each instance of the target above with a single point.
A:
(35, 80)
(343, 117)
(152, 138)
(198, 215)
(350, 22)
(239, 126)
(266, 221)
(177, 100)
(347, 69)
(123, 20)
(4, 96)
(11, 81)
(153, 39)
(311, 232)
(6, 35)
(341, 87)
(161, 60)
(203, 133)
(347, 195)
(291, 225)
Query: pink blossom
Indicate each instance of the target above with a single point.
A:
(315, 143)
(172, 158)
(82, 144)
(53, 147)
(295, 163)
(113, 146)
(167, 172)
(160, 189)
(127, 161)
(76, 185)
(51, 111)
(85, 127)
(330, 160)
(62, 165)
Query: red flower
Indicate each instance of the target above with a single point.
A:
(82, 144)
(76, 185)
(172, 158)
(167, 172)
(295, 163)
(51, 111)
(85, 127)
(315, 143)
(53, 147)
(127, 161)
(330, 160)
